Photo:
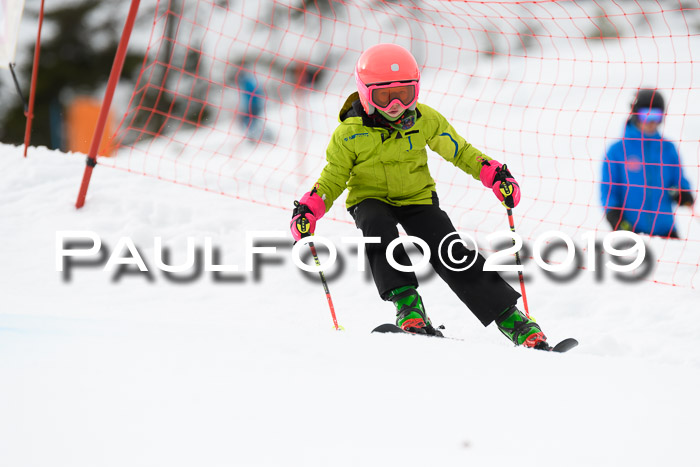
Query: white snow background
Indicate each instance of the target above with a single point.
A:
(131, 372)
(141, 370)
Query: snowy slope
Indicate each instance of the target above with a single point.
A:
(139, 372)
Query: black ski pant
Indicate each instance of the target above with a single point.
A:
(485, 293)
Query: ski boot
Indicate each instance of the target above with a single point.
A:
(410, 314)
(521, 330)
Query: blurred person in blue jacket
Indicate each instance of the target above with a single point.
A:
(642, 174)
(251, 105)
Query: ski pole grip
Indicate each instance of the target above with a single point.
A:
(506, 188)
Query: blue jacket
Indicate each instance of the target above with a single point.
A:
(251, 97)
(638, 173)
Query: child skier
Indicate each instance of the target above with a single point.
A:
(378, 152)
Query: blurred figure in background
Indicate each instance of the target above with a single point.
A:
(642, 175)
(251, 105)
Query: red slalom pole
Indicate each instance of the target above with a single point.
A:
(114, 75)
(32, 90)
(517, 261)
(325, 287)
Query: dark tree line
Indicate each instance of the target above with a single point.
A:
(77, 51)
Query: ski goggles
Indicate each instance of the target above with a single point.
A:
(650, 115)
(383, 96)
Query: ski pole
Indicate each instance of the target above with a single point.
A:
(325, 287)
(517, 261)
(507, 192)
(303, 226)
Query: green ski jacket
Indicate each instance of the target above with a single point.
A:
(387, 164)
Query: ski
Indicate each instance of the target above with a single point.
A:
(565, 345)
(388, 328)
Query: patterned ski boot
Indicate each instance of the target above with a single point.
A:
(521, 330)
(410, 313)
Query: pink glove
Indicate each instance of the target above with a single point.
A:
(307, 211)
(497, 177)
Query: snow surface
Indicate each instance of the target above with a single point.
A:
(98, 370)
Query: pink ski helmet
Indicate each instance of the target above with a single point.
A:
(387, 74)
